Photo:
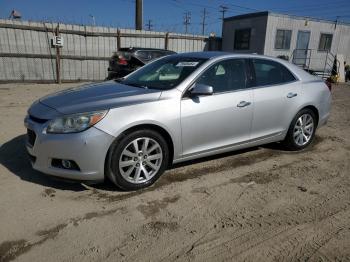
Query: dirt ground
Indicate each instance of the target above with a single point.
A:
(261, 204)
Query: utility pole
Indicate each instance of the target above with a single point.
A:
(138, 14)
(336, 21)
(58, 57)
(204, 16)
(149, 25)
(223, 10)
(187, 21)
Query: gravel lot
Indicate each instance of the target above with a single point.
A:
(261, 204)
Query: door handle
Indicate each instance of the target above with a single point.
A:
(291, 95)
(243, 104)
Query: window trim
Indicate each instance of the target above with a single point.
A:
(235, 38)
(290, 40)
(247, 74)
(319, 42)
(253, 76)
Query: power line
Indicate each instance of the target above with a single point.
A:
(316, 8)
(321, 5)
(243, 7)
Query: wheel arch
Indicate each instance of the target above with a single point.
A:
(314, 110)
(162, 131)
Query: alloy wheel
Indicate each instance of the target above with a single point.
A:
(140, 160)
(303, 129)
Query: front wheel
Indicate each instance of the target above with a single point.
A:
(301, 131)
(137, 159)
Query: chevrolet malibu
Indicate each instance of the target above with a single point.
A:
(175, 109)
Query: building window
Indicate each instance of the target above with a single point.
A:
(242, 39)
(283, 39)
(325, 42)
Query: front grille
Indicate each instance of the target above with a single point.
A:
(31, 136)
(37, 120)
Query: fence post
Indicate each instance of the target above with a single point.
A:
(58, 57)
(118, 39)
(166, 41)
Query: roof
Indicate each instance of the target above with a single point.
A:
(245, 16)
(269, 13)
(143, 48)
(217, 55)
(205, 54)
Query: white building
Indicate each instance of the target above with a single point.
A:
(308, 42)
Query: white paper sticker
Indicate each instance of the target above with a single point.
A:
(187, 64)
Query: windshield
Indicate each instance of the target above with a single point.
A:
(165, 73)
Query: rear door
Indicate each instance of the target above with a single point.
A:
(276, 94)
(222, 119)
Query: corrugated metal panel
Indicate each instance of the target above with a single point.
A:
(31, 38)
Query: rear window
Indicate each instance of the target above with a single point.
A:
(145, 55)
(125, 49)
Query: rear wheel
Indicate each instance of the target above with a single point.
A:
(301, 131)
(137, 159)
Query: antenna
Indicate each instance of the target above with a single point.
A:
(187, 20)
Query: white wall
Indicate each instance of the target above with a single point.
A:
(340, 42)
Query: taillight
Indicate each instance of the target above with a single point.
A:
(329, 85)
(122, 60)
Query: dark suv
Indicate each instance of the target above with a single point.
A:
(127, 60)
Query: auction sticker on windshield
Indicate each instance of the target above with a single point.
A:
(187, 64)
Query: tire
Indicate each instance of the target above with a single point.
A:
(130, 167)
(300, 135)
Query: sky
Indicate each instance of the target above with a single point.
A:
(167, 15)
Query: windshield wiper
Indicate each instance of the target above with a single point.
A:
(136, 85)
(118, 80)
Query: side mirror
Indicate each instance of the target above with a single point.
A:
(201, 90)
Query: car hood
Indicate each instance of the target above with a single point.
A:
(100, 96)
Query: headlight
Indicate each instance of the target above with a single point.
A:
(75, 123)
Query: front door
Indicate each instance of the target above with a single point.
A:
(301, 51)
(222, 119)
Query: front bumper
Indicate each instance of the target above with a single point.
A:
(88, 149)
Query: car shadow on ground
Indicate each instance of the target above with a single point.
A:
(13, 156)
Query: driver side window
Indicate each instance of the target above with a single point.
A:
(225, 76)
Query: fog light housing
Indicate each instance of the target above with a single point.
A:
(65, 164)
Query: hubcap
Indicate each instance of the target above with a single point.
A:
(303, 129)
(140, 160)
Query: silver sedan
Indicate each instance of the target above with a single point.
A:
(177, 108)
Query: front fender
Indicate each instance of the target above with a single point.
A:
(162, 113)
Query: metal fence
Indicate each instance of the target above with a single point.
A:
(27, 55)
